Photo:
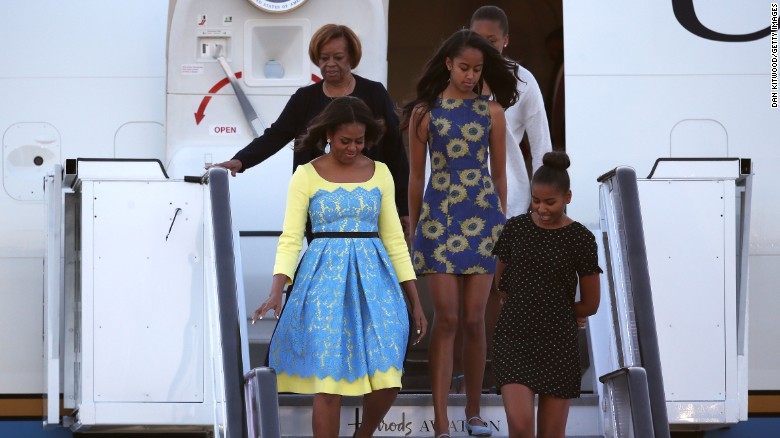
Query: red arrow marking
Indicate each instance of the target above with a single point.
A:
(202, 108)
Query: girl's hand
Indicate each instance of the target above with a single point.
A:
(420, 324)
(502, 296)
(581, 322)
(274, 302)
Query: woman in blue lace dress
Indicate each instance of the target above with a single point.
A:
(345, 329)
(461, 214)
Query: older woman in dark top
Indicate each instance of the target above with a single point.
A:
(336, 50)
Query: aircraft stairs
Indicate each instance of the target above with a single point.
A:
(138, 353)
(628, 400)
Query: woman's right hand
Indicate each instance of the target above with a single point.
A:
(233, 166)
(274, 302)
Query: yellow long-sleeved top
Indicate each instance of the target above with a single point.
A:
(305, 183)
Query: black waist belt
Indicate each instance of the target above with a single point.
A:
(338, 235)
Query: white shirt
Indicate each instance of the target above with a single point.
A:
(526, 115)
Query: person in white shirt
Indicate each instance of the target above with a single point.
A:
(527, 116)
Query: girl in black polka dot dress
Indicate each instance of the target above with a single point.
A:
(542, 256)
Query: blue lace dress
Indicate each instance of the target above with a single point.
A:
(345, 326)
(461, 216)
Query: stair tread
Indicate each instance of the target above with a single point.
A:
(423, 400)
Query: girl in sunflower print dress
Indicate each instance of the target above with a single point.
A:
(461, 214)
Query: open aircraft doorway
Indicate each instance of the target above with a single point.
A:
(535, 41)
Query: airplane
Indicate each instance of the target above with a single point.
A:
(140, 80)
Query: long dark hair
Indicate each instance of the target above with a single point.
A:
(497, 71)
(341, 111)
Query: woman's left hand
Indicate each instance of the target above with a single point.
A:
(420, 324)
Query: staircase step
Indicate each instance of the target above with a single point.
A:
(412, 415)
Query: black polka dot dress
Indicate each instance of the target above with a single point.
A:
(535, 341)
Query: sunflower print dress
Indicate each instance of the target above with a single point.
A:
(461, 216)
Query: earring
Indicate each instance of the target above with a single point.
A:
(327, 146)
